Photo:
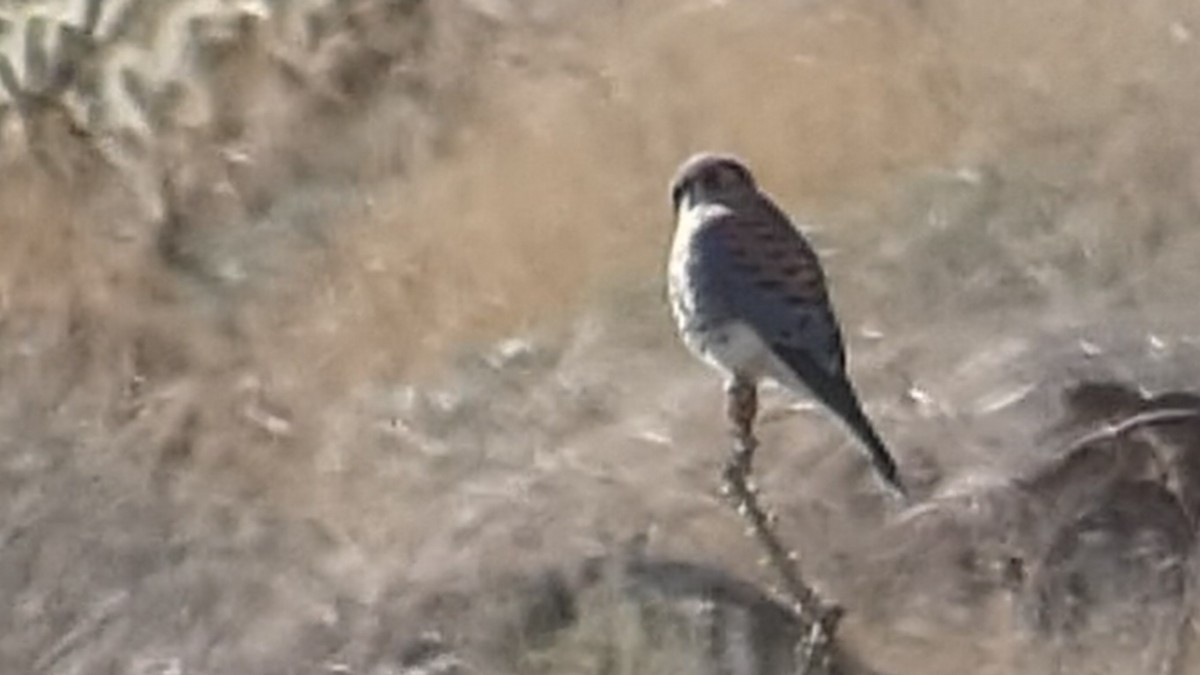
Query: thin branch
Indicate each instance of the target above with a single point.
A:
(1133, 423)
(818, 619)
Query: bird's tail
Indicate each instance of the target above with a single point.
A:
(877, 452)
(836, 392)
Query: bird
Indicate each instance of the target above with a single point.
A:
(749, 297)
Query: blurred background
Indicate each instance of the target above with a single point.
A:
(333, 335)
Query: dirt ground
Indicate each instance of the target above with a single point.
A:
(333, 335)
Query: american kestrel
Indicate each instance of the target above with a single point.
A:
(749, 298)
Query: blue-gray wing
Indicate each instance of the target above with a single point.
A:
(760, 270)
(766, 275)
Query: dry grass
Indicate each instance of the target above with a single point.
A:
(273, 421)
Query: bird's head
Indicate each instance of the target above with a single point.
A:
(708, 177)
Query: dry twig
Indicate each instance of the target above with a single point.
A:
(817, 618)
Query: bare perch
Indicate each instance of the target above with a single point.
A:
(818, 618)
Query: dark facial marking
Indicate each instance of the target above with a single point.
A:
(712, 171)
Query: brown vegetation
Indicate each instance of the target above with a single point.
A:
(325, 331)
